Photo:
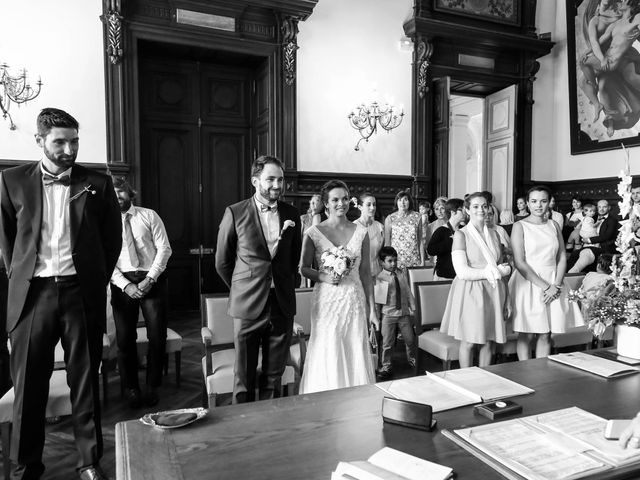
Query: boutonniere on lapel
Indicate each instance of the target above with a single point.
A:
(287, 224)
(87, 189)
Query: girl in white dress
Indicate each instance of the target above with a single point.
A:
(339, 354)
(540, 305)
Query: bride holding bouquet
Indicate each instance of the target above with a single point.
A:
(339, 354)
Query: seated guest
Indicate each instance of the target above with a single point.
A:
(496, 213)
(137, 283)
(442, 240)
(586, 228)
(438, 209)
(477, 302)
(395, 313)
(505, 240)
(521, 205)
(554, 214)
(315, 213)
(593, 281)
(424, 209)
(572, 218)
(607, 229)
(506, 220)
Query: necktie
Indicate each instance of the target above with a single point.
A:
(131, 244)
(398, 292)
(51, 179)
(267, 208)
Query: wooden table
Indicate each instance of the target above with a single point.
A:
(306, 436)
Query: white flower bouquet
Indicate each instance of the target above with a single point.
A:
(337, 261)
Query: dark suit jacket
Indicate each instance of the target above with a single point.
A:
(607, 234)
(244, 263)
(96, 234)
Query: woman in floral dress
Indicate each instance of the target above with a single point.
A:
(403, 231)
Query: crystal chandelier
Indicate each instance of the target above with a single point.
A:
(15, 89)
(366, 119)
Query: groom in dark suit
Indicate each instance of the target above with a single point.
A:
(257, 256)
(60, 237)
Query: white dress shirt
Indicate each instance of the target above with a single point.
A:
(152, 245)
(270, 221)
(54, 249)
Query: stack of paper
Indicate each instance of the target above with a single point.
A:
(563, 444)
(454, 388)
(390, 464)
(590, 363)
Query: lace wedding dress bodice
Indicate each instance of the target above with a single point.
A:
(338, 355)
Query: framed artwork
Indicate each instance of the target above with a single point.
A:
(604, 74)
(502, 11)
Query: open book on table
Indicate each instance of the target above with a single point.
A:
(595, 364)
(454, 388)
(564, 444)
(391, 464)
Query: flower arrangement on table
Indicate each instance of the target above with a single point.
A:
(337, 261)
(618, 301)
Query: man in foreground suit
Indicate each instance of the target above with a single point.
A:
(60, 237)
(257, 256)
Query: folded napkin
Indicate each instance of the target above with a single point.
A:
(174, 419)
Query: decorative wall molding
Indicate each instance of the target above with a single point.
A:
(424, 50)
(289, 29)
(113, 22)
(533, 67)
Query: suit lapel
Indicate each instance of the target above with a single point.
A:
(255, 219)
(33, 201)
(77, 201)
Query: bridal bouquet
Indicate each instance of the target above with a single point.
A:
(337, 261)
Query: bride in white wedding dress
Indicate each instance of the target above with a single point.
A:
(338, 355)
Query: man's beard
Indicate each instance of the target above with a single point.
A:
(62, 161)
(126, 205)
(268, 195)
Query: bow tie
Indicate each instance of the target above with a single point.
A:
(51, 179)
(267, 208)
(601, 217)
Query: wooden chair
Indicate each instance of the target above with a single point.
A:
(219, 356)
(59, 404)
(431, 301)
(419, 274)
(577, 336)
(301, 331)
(174, 345)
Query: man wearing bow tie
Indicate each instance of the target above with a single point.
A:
(60, 237)
(257, 256)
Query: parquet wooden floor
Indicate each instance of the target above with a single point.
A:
(60, 453)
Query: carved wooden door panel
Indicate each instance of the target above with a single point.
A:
(195, 157)
(500, 112)
(441, 88)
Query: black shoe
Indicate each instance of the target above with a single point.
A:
(133, 397)
(92, 473)
(385, 375)
(151, 397)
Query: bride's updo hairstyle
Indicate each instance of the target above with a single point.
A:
(330, 185)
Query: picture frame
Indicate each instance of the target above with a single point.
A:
(500, 11)
(604, 105)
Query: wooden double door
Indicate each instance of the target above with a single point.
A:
(196, 146)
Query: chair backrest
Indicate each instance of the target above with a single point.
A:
(303, 308)
(215, 317)
(573, 281)
(431, 301)
(419, 274)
